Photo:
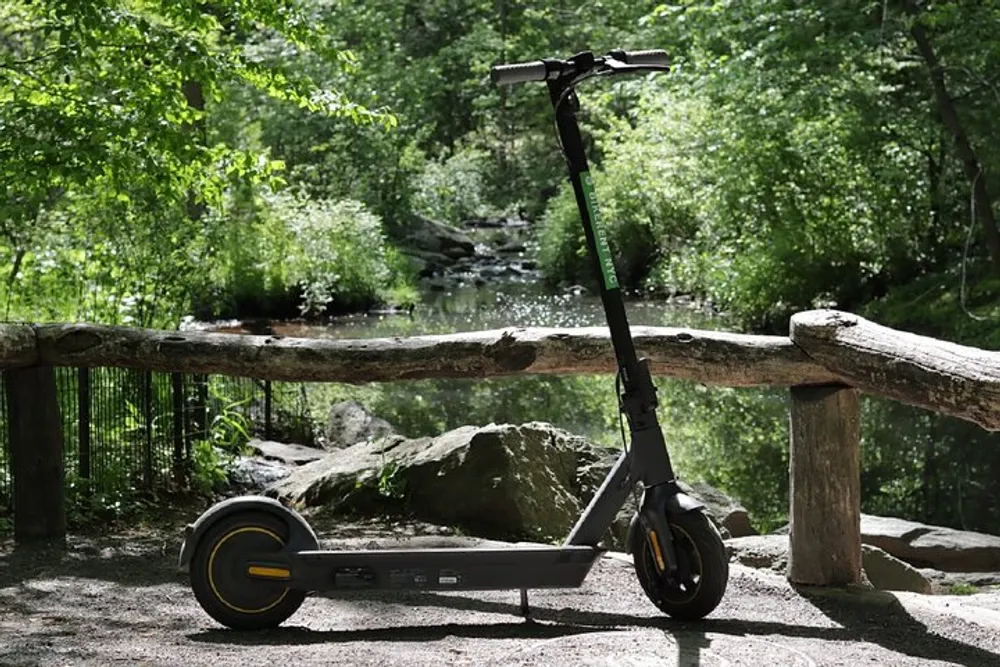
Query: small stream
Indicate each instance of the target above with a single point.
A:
(496, 286)
(500, 305)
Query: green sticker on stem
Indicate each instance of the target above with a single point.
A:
(600, 235)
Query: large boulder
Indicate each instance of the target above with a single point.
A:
(424, 265)
(932, 546)
(728, 513)
(947, 582)
(432, 236)
(498, 481)
(888, 573)
(882, 571)
(245, 474)
(350, 422)
(288, 454)
(764, 552)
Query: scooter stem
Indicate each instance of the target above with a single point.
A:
(639, 397)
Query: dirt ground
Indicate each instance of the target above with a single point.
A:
(118, 600)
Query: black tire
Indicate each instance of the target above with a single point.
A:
(702, 561)
(220, 581)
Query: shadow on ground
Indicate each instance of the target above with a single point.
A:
(131, 560)
(870, 616)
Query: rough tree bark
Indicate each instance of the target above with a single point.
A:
(710, 357)
(825, 487)
(944, 377)
(18, 346)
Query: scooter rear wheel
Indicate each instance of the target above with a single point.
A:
(221, 580)
(703, 567)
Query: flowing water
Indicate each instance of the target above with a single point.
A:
(502, 305)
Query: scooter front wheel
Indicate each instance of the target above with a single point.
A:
(221, 579)
(702, 572)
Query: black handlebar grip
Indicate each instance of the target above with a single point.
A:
(518, 73)
(653, 57)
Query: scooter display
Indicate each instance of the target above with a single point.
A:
(252, 560)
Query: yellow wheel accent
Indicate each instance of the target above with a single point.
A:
(211, 566)
(269, 572)
(660, 565)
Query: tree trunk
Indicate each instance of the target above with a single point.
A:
(195, 97)
(825, 487)
(36, 454)
(971, 164)
(711, 357)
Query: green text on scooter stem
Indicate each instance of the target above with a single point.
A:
(600, 234)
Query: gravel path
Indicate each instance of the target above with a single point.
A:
(118, 600)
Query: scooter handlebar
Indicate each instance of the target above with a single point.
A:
(657, 57)
(518, 73)
(541, 70)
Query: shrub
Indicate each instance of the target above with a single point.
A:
(318, 256)
(454, 188)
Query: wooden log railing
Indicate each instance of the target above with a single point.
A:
(827, 359)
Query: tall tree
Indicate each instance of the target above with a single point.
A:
(975, 170)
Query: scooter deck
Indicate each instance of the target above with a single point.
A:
(427, 569)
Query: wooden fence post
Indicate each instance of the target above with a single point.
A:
(825, 477)
(36, 454)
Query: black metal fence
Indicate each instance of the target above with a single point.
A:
(131, 429)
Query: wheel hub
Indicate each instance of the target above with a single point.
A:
(229, 573)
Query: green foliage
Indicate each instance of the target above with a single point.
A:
(734, 439)
(225, 437)
(101, 95)
(454, 189)
(648, 213)
(390, 485)
(963, 588)
(932, 305)
(332, 158)
(324, 258)
(791, 159)
(209, 467)
(562, 249)
(794, 157)
(293, 255)
(763, 217)
(111, 159)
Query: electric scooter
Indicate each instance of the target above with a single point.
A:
(252, 561)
